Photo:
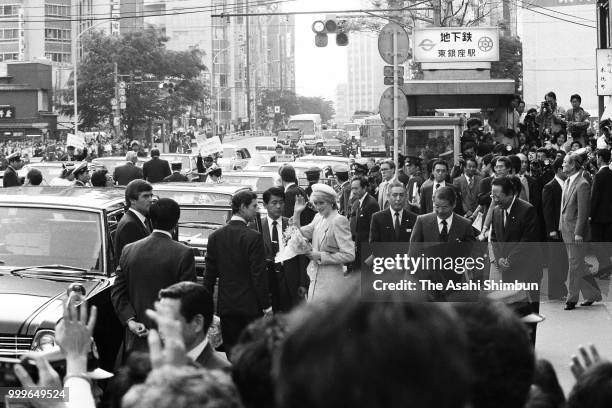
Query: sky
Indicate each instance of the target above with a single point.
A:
(318, 70)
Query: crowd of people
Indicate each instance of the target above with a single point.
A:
(291, 338)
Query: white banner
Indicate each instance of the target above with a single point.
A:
(209, 146)
(77, 141)
(456, 44)
(604, 71)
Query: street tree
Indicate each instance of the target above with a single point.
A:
(143, 51)
(290, 104)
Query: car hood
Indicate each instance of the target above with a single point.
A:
(27, 298)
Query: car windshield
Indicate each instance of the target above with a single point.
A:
(49, 236)
(199, 223)
(333, 134)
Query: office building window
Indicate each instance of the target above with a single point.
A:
(9, 56)
(9, 34)
(56, 34)
(57, 10)
(58, 57)
(9, 10)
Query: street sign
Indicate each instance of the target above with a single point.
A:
(121, 91)
(122, 105)
(115, 121)
(385, 43)
(277, 109)
(7, 112)
(122, 84)
(604, 71)
(114, 102)
(122, 98)
(385, 107)
(388, 71)
(456, 44)
(389, 80)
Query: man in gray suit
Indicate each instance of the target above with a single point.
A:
(468, 184)
(574, 223)
(129, 171)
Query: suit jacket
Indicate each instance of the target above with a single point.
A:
(382, 228)
(343, 198)
(155, 170)
(426, 229)
(484, 193)
(361, 218)
(601, 196)
(512, 242)
(290, 195)
(235, 255)
(146, 267)
(175, 176)
(212, 360)
(294, 269)
(129, 230)
(383, 201)
(10, 178)
(126, 173)
(575, 210)
(427, 200)
(551, 205)
(469, 195)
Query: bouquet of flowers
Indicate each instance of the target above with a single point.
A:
(295, 244)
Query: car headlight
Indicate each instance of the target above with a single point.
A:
(44, 340)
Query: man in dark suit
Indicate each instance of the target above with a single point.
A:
(10, 177)
(395, 223)
(236, 257)
(134, 225)
(192, 306)
(146, 267)
(176, 175)
(551, 208)
(442, 234)
(288, 280)
(440, 172)
(363, 208)
(514, 230)
(342, 175)
(292, 190)
(156, 169)
(129, 171)
(467, 184)
(601, 212)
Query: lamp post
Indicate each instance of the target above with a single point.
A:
(213, 83)
(74, 68)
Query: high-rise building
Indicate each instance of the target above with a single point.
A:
(343, 115)
(365, 73)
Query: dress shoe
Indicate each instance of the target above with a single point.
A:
(590, 302)
(570, 305)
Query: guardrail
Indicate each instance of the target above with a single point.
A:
(246, 134)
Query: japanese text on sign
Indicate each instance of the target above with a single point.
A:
(604, 71)
(7, 112)
(478, 44)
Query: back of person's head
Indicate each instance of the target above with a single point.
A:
(500, 352)
(486, 160)
(252, 361)
(557, 164)
(195, 300)
(350, 353)
(98, 178)
(593, 389)
(35, 177)
(604, 155)
(131, 156)
(184, 387)
(545, 378)
(539, 399)
(155, 153)
(135, 371)
(287, 174)
(515, 162)
(164, 214)
(134, 188)
(242, 198)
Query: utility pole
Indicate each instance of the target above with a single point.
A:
(248, 66)
(117, 118)
(437, 13)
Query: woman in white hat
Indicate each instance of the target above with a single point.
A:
(332, 246)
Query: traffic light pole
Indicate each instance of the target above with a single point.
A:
(396, 96)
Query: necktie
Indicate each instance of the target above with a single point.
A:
(506, 215)
(564, 194)
(470, 182)
(396, 225)
(444, 233)
(275, 245)
(149, 225)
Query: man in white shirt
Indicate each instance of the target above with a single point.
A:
(192, 306)
(387, 169)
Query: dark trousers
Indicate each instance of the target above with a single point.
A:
(601, 233)
(557, 268)
(231, 328)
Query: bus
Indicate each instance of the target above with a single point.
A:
(372, 141)
(310, 125)
(352, 129)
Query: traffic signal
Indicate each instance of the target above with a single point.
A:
(137, 77)
(167, 86)
(330, 26)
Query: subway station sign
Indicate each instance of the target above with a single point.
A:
(604, 71)
(7, 112)
(456, 44)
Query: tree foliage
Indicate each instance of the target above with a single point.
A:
(291, 104)
(144, 51)
(510, 64)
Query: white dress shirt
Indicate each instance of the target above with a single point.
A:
(141, 217)
(288, 185)
(449, 222)
(195, 352)
(169, 235)
(238, 218)
(279, 228)
(400, 212)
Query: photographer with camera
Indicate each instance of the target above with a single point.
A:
(551, 117)
(577, 120)
(505, 123)
(605, 140)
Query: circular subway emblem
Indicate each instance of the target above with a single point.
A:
(485, 44)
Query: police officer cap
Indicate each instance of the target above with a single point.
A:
(340, 168)
(176, 165)
(313, 173)
(14, 156)
(474, 121)
(360, 167)
(134, 142)
(82, 166)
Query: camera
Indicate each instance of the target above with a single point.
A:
(546, 106)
